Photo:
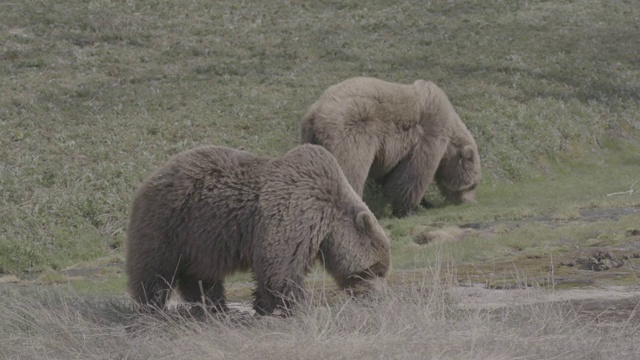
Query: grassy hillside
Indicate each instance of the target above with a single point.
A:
(94, 95)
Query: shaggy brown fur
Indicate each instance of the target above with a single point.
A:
(213, 210)
(403, 136)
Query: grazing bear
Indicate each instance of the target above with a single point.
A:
(212, 211)
(403, 136)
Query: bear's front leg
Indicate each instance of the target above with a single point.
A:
(283, 293)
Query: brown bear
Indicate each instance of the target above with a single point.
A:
(403, 136)
(212, 211)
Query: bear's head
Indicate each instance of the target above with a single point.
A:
(357, 252)
(459, 173)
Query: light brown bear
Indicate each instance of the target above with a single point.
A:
(212, 211)
(403, 136)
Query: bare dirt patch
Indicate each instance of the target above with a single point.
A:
(600, 260)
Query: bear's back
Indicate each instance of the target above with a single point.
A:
(304, 168)
(211, 160)
(307, 177)
(365, 105)
(204, 174)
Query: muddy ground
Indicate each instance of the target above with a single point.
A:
(581, 279)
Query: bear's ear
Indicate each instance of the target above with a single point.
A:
(364, 222)
(467, 152)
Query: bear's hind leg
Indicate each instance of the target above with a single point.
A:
(152, 291)
(407, 183)
(193, 290)
(354, 155)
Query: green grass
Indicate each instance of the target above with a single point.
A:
(94, 95)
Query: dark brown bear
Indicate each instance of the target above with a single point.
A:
(403, 136)
(213, 211)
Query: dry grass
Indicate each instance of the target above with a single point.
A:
(415, 319)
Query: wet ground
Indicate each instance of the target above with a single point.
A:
(585, 215)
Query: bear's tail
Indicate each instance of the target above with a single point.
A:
(307, 135)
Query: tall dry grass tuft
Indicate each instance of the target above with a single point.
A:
(413, 318)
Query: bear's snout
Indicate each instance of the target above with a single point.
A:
(379, 270)
(366, 280)
(460, 197)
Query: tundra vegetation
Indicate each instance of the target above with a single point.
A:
(95, 95)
